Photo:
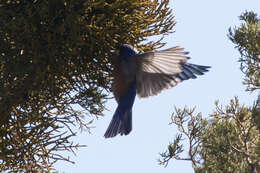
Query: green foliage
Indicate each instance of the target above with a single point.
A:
(56, 58)
(229, 141)
(191, 127)
(247, 41)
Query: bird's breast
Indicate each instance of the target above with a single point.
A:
(120, 83)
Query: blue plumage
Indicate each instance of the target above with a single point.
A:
(146, 74)
(122, 118)
(126, 52)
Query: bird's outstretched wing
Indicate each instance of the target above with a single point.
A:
(156, 71)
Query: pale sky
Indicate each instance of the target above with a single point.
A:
(202, 28)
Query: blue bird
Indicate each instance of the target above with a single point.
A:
(146, 74)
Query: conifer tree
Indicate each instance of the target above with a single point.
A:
(229, 140)
(56, 58)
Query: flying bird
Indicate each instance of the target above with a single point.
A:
(146, 74)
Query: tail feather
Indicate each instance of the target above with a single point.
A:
(126, 123)
(120, 124)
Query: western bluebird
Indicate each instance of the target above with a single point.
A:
(146, 74)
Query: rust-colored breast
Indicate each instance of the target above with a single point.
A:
(119, 83)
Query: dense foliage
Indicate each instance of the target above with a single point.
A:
(229, 141)
(56, 58)
(247, 40)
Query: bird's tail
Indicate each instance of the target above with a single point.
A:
(121, 123)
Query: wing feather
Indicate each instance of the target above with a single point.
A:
(160, 70)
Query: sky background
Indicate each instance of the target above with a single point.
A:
(202, 28)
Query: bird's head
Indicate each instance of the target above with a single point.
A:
(126, 51)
